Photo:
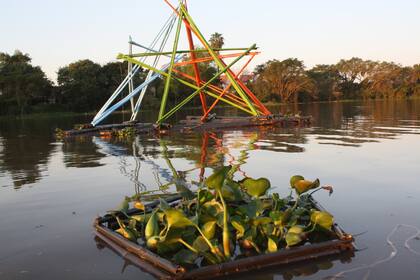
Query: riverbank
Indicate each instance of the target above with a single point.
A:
(271, 104)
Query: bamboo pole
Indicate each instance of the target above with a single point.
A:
(163, 73)
(171, 65)
(154, 53)
(196, 70)
(131, 84)
(218, 61)
(186, 100)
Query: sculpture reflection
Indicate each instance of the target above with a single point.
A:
(212, 151)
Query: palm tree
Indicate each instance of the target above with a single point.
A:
(216, 41)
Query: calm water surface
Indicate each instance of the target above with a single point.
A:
(50, 191)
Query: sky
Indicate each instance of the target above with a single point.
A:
(57, 32)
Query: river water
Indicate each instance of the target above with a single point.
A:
(51, 191)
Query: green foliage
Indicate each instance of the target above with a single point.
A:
(256, 187)
(206, 227)
(354, 78)
(22, 85)
(216, 40)
(282, 80)
(84, 86)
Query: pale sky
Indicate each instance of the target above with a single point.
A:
(57, 32)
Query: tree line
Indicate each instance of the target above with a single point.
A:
(83, 86)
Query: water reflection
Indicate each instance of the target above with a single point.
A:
(375, 165)
(23, 156)
(287, 272)
(26, 146)
(81, 152)
(203, 152)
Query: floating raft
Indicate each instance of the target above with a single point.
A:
(194, 124)
(340, 246)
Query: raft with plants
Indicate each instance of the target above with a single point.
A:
(189, 125)
(226, 226)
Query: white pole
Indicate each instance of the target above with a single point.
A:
(130, 67)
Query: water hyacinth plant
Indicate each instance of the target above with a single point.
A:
(225, 219)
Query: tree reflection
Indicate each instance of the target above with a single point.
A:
(24, 154)
(27, 145)
(81, 152)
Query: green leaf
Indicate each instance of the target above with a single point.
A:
(261, 221)
(322, 219)
(278, 202)
(294, 179)
(238, 225)
(277, 217)
(231, 191)
(152, 226)
(152, 242)
(250, 209)
(125, 232)
(174, 234)
(209, 229)
(184, 256)
(204, 196)
(295, 235)
(164, 248)
(215, 181)
(200, 244)
(271, 245)
(138, 218)
(213, 207)
(296, 229)
(293, 238)
(256, 187)
(302, 186)
(176, 218)
(267, 229)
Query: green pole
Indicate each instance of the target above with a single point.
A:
(171, 66)
(184, 51)
(218, 61)
(186, 100)
(193, 86)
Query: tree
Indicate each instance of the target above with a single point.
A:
(286, 79)
(326, 80)
(386, 80)
(21, 84)
(353, 73)
(414, 80)
(81, 86)
(216, 40)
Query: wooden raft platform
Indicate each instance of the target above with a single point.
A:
(194, 124)
(162, 268)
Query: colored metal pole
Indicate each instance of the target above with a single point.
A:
(227, 88)
(209, 58)
(130, 67)
(186, 100)
(163, 73)
(218, 61)
(171, 65)
(216, 89)
(251, 95)
(195, 67)
(153, 52)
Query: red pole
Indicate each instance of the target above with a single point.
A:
(195, 66)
